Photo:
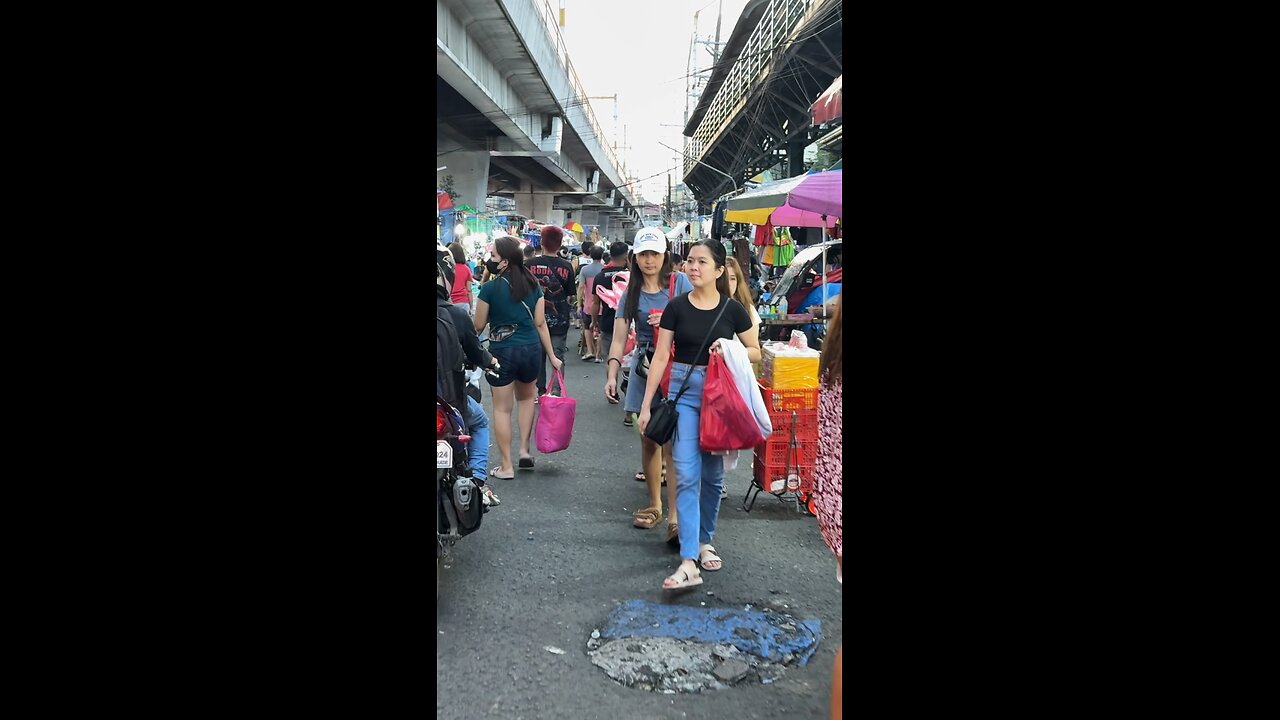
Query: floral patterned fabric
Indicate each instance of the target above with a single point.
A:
(827, 487)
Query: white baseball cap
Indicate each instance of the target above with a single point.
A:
(649, 239)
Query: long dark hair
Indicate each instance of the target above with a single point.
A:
(636, 279)
(832, 357)
(521, 280)
(718, 257)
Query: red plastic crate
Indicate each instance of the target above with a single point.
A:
(787, 399)
(774, 450)
(766, 472)
(806, 424)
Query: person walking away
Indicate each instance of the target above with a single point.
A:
(575, 316)
(586, 286)
(512, 307)
(461, 295)
(652, 284)
(604, 316)
(555, 276)
(828, 484)
(696, 322)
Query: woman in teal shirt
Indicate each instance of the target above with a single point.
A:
(512, 306)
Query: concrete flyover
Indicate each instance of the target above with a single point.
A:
(754, 112)
(513, 120)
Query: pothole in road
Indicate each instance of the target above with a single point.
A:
(672, 649)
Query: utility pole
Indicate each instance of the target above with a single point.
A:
(688, 69)
(670, 211)
(719, 15)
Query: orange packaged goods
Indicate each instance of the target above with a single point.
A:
(784, 367)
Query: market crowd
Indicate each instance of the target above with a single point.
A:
(659, 320)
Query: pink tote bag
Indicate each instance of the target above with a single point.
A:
(554, 428)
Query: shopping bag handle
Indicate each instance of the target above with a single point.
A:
(558, 376)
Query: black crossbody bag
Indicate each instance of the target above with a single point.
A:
(662, 414)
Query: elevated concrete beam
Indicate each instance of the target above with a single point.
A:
(534, 205)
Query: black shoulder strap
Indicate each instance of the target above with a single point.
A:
(724, 303)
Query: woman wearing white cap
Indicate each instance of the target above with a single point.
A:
(652, 284)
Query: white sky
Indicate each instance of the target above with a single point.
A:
(639, 49)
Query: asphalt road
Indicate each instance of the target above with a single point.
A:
(548, 565)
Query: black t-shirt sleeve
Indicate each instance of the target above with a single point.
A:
(691, 326)
(569, 281)
(741, 319)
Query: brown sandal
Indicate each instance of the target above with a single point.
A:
(673, 534)
(647, 517)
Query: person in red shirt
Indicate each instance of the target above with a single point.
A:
(461, 295)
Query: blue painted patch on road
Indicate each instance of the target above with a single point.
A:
(768, 634)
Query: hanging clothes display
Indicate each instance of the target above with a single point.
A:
(784, 250)
(764, 235)
(717, 220)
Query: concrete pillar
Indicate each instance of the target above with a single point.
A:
(469, 173)
(588, 217)
(534, 205)
(555, 217)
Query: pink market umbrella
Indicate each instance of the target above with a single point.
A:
(800, 201)
(783, 215)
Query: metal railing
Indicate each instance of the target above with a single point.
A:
(777, 23)
(550, 20)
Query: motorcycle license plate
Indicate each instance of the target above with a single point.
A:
(444, 454)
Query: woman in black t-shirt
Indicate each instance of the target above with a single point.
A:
(699, 475)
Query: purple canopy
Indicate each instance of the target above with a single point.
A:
(820, 192)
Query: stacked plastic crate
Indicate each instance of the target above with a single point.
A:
(784, 463)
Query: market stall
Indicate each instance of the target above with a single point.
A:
(784, 463)
(788, 375)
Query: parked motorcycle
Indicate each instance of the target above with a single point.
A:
(459, 508)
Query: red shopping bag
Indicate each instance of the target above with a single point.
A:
(554, 427)
(727, 421)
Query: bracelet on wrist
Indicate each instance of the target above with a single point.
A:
(614, 359)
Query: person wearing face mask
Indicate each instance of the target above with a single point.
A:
(512, 307)
(651, 285)
(696, 322)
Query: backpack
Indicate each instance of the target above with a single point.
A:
(449, 371)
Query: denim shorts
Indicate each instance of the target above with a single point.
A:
(635, 385)
(519, 362)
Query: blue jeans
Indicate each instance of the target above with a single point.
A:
(478, 427)
(699, 475)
